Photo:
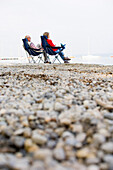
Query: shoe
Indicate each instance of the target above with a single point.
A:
(66, 58)
(65, 61)
(49, 62)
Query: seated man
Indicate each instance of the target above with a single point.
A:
(65, 59)
(31, 44)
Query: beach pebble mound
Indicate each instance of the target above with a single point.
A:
(56, 116)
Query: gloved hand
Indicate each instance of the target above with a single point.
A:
(63, 46)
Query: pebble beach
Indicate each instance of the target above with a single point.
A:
(56, 117)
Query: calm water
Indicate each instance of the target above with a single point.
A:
(101, 60)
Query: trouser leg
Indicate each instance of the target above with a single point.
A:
(62, 55)
(45, 56)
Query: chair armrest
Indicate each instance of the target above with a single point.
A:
(37, 50)
(54, 47)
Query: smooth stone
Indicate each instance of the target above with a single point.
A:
(19, 155)
(59, 154)
(39, 139)
(17, 163)
(3, 160)
(81, 137)
(103, 166)
(86, 104)
(37, 165)
(104, 132)
(32, 117)
(31, 149)
(41, 114)
(51, 144)
(78, 145)
(76, 128)
(48, 106)
(2, 123)
(82, 153)
(65, 121)
(92, 160)
(27, 132)
(59, 107)
(70, 141)
(108, 116)
(17, 141)
(59, 131)
(3, 111)
(67, 134)
(108, 159)
(42, 154)
(99, 138)
(107, 147)
(18, 132)
(25, 123)
(93, 167)
(100, 154)
(28, 143)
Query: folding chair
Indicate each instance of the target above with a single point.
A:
(49, 50)
(33, 55)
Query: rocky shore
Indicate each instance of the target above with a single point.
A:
(56, 117)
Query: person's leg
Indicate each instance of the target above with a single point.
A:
(45, 56)
(62, 55)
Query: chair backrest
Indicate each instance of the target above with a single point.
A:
(26, 45)
(46, 46)
(29, 50)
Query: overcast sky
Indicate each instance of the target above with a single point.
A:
(68, 21)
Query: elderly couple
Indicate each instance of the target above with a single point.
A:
(49, 41)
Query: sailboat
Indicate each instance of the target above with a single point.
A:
(90, 57)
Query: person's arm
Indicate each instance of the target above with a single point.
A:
(52, 45)
(33, 46)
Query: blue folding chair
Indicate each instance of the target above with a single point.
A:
(33, 55)
(49, 50)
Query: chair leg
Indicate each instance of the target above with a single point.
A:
(40, 59)
(58, 60)
(29, 60)
(55, 59)
(33, 60)
(28, 57)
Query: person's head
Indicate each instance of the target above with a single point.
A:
(28, 38)
(46, 34)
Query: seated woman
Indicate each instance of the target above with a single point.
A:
(31, 44)
(65, 59)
